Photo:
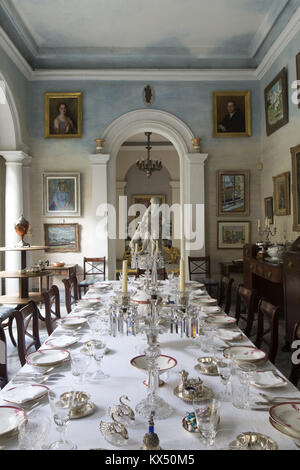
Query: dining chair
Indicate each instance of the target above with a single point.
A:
(225, 293)
(93, 270)
(27, 317)
(52, 308)
(199, 270)
(161, 273)
(269, 313)
(71, 292)
(3, 358)
(295, 358)
(245, 307)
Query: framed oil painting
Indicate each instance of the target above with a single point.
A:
(281, 185)
(269, 209)
(231, 114)
(276, 103)
(233, 192)
(145, 199)
(298, 76)
(63, 115)
(61, 194)
(295, 152)
(62, 237)
(233, 235)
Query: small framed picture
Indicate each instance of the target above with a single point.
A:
(298, 76)
(281, 184)
(233, 235)
(63, 115)
(62, 237)
(233, 192)
(269, 209)
(276, 103)
(231, 114)
(61, 194)
(295, 152)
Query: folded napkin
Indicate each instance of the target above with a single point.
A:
(199, 292)
(23, 393)
(62, 341)
(228, 335)
(267, 379)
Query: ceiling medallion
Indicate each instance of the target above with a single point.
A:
(148, 165)
(148, 95)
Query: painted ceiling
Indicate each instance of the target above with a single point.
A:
(144, 34)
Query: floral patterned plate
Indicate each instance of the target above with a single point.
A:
(287, 414)
(244, 353)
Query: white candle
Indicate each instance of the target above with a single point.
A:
(182, 276)
(125, 274)
(157, 247)
(136, 247)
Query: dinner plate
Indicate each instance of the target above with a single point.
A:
(72, 321)
(164, 363)
(244, 353)
(284, 430)
(213, 310)
(47, 357)
(61, 341)
(11, 418)
(195, 285)
(25, 393)
(220, 320)
(207, 301)
(89, 303)
(229, 335)
(268, 379)
(77, 312)
(287, 414)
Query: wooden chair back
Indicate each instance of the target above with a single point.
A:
(268, 314)
(225, 293)
(3, 358)
(27, 317)
(52, 308)
(94, 267)
(199, 267)
(71, 292)
(245, 307)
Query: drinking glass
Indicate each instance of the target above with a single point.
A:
(207, 340)
(61, 401)
(170, 275)
(224, 370)
(33, 431)
(98, 350)
(240, 386)
(207, 414)
(79, 366)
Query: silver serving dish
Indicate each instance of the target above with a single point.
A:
(253, 441)
(207, 366)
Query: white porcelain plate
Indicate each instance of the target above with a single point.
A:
(164, 363)
(244, 353)
(11, 418)
(47, 357)
(72, 321)
(207, 301)
(221, 320)
(61, 341)
(287, 415)
(229, 335)
(213, 310)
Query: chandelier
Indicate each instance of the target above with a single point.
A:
(148, 165)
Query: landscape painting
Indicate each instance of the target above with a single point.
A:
(62, 237)
(276, 103)
(233, 193)
(233, 235)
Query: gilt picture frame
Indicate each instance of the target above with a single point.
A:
(63, 115)
(281, 188)
(269, 211)
(231, 114)
(233, 235)
(295, 154)
(61, 238)
(276, 103)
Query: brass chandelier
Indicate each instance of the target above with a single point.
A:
(148, 165)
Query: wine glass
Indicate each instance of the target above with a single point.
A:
(79, 365)
(224, 370)
(61, 401)
(207, 414)
(98, 350)
(34, 431)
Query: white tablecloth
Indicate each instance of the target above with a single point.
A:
(125, 379)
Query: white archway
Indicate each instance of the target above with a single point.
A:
(10, 126)
(173, 129)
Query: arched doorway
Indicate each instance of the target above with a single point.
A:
(191, 165)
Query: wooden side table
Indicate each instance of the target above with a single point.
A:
(65, 271)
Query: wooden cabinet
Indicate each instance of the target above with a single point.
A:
(291, 269)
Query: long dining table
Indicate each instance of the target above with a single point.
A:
(124, 379)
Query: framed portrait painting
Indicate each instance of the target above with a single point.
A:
(145, 199)
(63, 115)
(62, 237)
(281, 184)
(233, 192)
(295, 152)
(233, 235)
(231, 114)
(269, 209)
(276, 103)
(61, 194)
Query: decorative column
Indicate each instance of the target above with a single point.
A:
(99, 239)
(175, 185)
(14, 207)
(194, 193)
(121, 219)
